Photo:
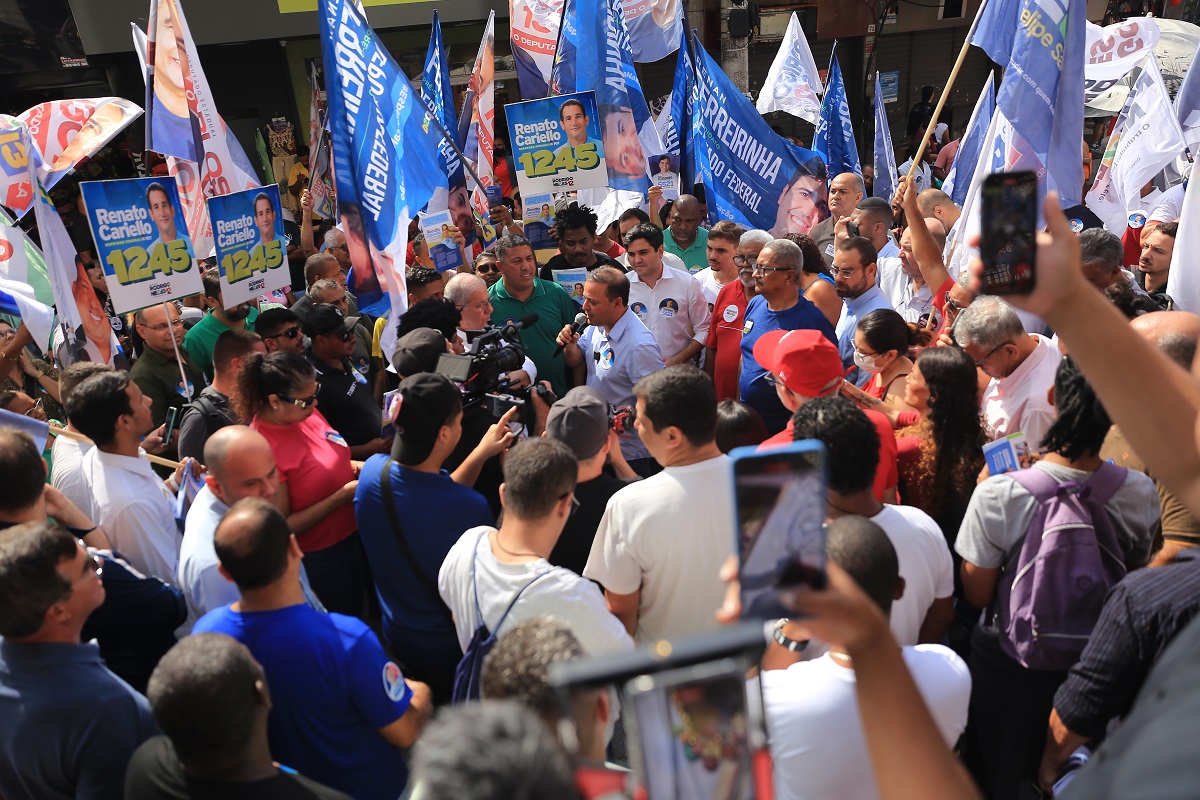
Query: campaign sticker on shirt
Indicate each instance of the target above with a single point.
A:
(1137, 219)
(393, 682)
(336, 438)
(639, 309)
(1076, 225)
(606, 356)
(184, 391)
(117, 323)
(730, 313)
(668, 307)
(749, 326)
(829, 249)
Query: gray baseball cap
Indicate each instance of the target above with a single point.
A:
(580, 420)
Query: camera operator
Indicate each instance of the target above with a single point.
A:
(613, 353)
(469, 293)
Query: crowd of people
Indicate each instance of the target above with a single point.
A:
(336, 542)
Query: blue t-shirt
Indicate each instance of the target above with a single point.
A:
(332, 689)
(434, 511)
(752, 384)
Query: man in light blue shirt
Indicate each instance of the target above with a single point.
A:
(854, 272)
(614, 352)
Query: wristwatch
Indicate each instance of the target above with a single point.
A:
(784, 641)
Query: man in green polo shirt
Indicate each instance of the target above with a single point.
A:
(520, 292)
(684, 237)
(157, 372)
(201, 339)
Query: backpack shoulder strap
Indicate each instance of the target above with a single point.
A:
(504, 616)
(389, 503)
(1039, 483)
(1106, 482)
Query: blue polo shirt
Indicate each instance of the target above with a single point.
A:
(615, 361)
(753, 388)
(853, 310)
(332, 689)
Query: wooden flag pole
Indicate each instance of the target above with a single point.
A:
(79, 437)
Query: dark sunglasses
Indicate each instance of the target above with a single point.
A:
(299, 402)
(290, 333)
(485, 268)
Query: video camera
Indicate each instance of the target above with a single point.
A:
(482, 372)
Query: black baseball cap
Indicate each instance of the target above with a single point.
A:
(325, 319)
(580, 420)
(418, 351)
(428, 401)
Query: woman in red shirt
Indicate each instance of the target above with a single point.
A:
(317, 479)
(881, 345)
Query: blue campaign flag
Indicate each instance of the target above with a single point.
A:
(386, 167)
(958, 183)
(886, 180)
(751, 174)
(677, 128)
(1041, 44)
(834, 138)
(438, 95)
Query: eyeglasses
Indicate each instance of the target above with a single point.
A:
(574, 501)
(953, 304)
(345, 336)
(991, 353)
(290, 333)
(481, 305)
(770, 379)
(484, 269)
(299, 402)
(760, 268)
(162, 326)
(845, 272)
(864, 353)
(8, 334)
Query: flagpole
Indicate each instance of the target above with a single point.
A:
(188, 390)
(937, 111)
(55, 430)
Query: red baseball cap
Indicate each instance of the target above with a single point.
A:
(806, 362)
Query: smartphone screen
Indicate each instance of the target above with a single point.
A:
(1008, 235)
(172, 416)
(779, 504)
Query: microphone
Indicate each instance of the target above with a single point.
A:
(576, 329)
(510, 330)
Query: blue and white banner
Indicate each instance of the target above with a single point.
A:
(438, 95)
(17, 297)
(251, 244)
(556, 144)
(534, 25)
(957, 183)
(1183, 281)
(384, 164)
(751, 175)
(675, 121)
(141, 240)
(834, 138)
(655, 27)
(1041, 44)
(886, 179)
(793, 84)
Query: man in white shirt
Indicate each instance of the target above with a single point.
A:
(903, 282)
(499, 577)
(626, 222)
(133, 505)
(723, 241)
(1021, 365)
(661, 542)
(669, 302)
(817, 740)
(67, 454)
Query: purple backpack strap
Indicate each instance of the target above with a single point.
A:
(1104, 483)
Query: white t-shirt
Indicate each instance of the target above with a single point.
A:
(668, 259)
(67, 473)
(708, 285)
(1020, 403)
(668, 536)
(925, 566)
(561, 594)
(817, 740)
(1169, 206)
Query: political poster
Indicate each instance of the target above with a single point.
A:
(571, 280)
(538, 220)
(534, 25)
(443, 250)
(251, 245)
(1113, 52)
(664, 173)
(556, 144)
(142, 241)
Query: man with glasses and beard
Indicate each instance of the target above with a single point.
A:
(157, 373)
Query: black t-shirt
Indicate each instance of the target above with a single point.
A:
(919, 116)
(475, 423)
(575, 544)
(560, 262)
(346, 400)
(154, 773)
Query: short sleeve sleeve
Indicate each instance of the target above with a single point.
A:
(611, 562)
(991, 523)
(376, 684)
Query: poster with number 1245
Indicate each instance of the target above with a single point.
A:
(557, 144)
(251, 245)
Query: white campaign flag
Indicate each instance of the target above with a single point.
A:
(1187, 108)
(1145, 139)
(793, 83)
(16, 294)
(1183, 281)
(1114, 51)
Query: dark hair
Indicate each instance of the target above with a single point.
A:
(537, 474)
(98, 402)
(1101, 248)
(158, 187)
(738, 425)
(279, 373)
(233, 344)
(1169, 229)
(811, 260)
(867, 253)
(1080, 421)
(862, 548)
(850, 439)
(1178, 347)
(616, 285)
(877, 209)
(314, 264)
(273, 320)
(574, 217)
(22, 471)
(417, 276)
(1130, 303)
(212, 284)
(262, 196)
(203, 696)
(74, 375)
(651, 233)
(432, 312)
(491, 751)
(571, 102)
(251, 542)
(6, 398)
(510, 242)
(927, 93)
(884, 330)
(518, 666)
(682, 397)
(29, 581)
(727, 230)
(633, 213)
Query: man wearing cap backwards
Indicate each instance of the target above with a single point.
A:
(779, 306)
(805, 365)
(581, 420)
(614, 352)
(433, 508)
(343, 393)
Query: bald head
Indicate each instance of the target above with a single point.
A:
(240, 465)
(938, 230)
(936, 203)
(687, 203)
(253, 543)
(1173, 332)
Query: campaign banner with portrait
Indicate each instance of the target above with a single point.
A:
(664, 173)
(142, 241)
(556, 144)
(251, 245)
(571, 280)
(443, 251)
(538, 220)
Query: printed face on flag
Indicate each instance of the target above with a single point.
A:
(802, 205)
(104, 123)
(170, 61)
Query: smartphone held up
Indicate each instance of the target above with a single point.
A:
(1008, 232)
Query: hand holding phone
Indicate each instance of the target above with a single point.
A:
(1008, 234)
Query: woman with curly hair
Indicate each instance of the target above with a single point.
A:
(815, 282)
